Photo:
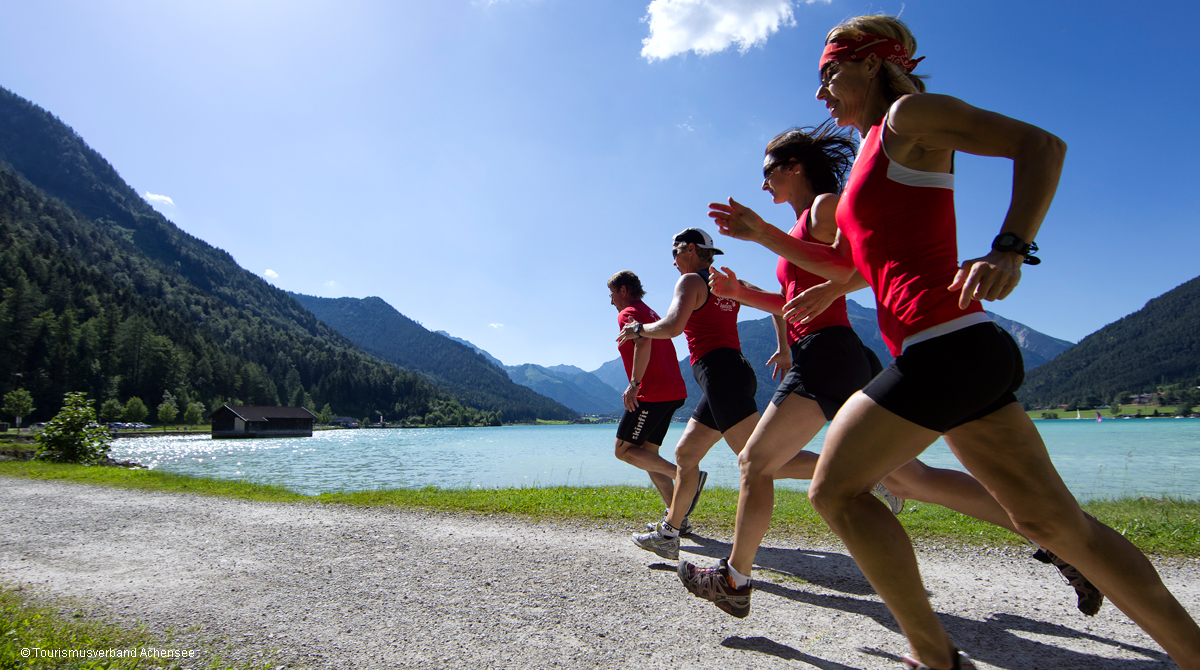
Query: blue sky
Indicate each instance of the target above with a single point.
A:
(486, 166)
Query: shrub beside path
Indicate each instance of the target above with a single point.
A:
(311, 586)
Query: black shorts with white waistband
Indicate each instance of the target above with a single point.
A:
(729, 386)
(952, 379)
(648, 423)
(828, 366)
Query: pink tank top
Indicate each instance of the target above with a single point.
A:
(713, 326)
(901, 228)
(795, 281)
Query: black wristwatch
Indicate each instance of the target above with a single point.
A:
(638, 329)
(1010, 242)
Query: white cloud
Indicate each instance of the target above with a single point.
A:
(711, 26)
(155, 199)
(331, 284)
(496, 325)
(271, 274)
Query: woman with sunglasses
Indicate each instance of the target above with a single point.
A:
(955, 371)
(828, 363)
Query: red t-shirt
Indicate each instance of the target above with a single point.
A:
(662, 381)
(713, 326)
(795, 281)
(901, 228)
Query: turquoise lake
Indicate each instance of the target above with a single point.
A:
(1113, 458)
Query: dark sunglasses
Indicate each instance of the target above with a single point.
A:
(770, 169)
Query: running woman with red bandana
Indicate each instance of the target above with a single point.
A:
(896, 217)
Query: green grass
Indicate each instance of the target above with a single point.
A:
(29, 623)
(148, 480)
(1163, 526)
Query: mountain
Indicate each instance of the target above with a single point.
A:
(102, 294)
(581, 391)
(1036, 348)
(613, 374)
(495, 361)
(379, 329)
(1158, 345)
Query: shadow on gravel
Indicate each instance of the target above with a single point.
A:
(770, 647)
(993, 641)
(828, 569)
(997, 641)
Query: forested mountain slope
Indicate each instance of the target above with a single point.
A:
(102, 294)
(377, 327)
(1155, 346)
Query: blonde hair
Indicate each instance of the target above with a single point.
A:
(898, 81)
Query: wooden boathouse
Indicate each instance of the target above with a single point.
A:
(238, 421)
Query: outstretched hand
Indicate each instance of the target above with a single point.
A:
(628, 332)
(810, 303)
(991, 277)
(736, 220)
(723, 282)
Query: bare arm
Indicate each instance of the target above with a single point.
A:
(690, 294)
(725, 284)
(782, 359)
(735, 220)
(815, 300)
(641, 360)
(927, 127)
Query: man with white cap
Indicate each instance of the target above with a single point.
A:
(727, 408)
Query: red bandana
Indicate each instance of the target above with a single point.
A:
(865, 44)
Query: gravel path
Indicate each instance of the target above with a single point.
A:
(302, 585)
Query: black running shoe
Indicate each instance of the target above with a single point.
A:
(1090, 598)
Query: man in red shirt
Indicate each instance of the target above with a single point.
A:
(655, 389)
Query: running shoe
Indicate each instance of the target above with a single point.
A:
(685, 528)
(654, 541)
(961, 662)
(1090, 598)
(893, 503)
(714, 584)
(699, 488)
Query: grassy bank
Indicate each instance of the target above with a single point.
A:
(1163, 526)
(37, 632)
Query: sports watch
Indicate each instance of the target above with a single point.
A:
(1013, 243)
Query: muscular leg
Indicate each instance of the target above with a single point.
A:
(694, 444)
(865, 443)
(1007, 455)
(951, 489)
(774, 451)
(646, 457)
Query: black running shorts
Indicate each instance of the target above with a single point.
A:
(729, 384)
(828, 366)
(648, 423)
(952, 379)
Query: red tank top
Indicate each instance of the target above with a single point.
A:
(713, 326)
(795, 281)
(901, 228)
(662, 381)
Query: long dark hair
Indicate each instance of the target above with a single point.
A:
(825, 152)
